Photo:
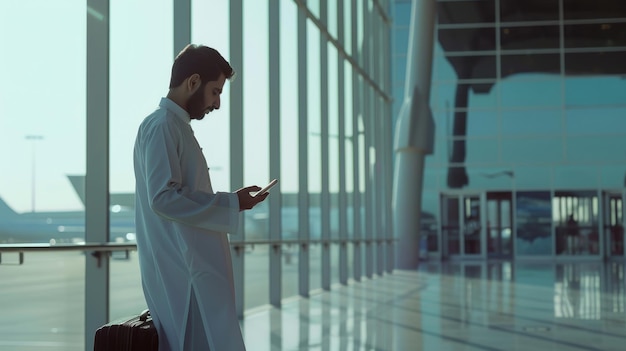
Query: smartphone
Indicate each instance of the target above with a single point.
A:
(267, 187)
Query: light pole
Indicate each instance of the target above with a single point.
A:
(33, 139)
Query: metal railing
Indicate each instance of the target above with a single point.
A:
(95, 249)
(99, 249)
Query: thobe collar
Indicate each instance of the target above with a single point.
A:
(176, 109)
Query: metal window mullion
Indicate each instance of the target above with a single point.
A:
(387, 140)
(236, 142)
(182, 24)
(356, 202)
(97, 162)
(378, 204)
(562, 74)
(341, 131)
(367, 125)
(275, 219)
(352, 59)
(303, 159)
(370, 189)
(325, 196)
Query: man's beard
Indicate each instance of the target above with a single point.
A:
(195, 105)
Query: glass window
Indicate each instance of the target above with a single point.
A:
(480, 95)
(596, 120)
(313, 103)
(347, 26)
(529, 37)
(43, 66)
(475, 66)
(289, 143)
(595, 63)
(333, 136)
(527, 122)
(332, 19)
(522, 11)
(349, 143)
(534, 223)
(532, 177)
(612, 177)
(596, 91)
(466, 11)
(42, 147)
(602, 148)
(482, 123)
(443, 70)
(314, 146)
(359, 31)
(532, 149)
(254, 76)
(43, 301)
(577, 176)
(595, 35)
(591, 10)
(529, 64)
(491, 177)
(314, 7)
(468, 39)
(481, 150)
(575, 216)
(529, 93)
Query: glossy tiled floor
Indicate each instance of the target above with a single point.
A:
(457, 306)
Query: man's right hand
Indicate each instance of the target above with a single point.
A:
(247, 201)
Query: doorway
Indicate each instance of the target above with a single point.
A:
(499, 224)
(462, 225)
(613, 224)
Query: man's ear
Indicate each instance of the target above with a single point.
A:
(193, 82)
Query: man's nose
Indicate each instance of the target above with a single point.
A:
(216, 105)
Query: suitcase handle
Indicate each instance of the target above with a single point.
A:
(144, 315)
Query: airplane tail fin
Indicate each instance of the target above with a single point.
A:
(6, 210)
(78, 182)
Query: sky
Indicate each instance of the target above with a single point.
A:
(43, 93)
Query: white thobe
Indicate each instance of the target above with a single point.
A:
(182, 241)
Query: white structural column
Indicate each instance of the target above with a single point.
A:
(275, 220)
(97, 177)
(414, 135)
(236, 140)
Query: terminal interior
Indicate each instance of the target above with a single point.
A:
(451, 171)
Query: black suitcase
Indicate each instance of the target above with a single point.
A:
(136, 333)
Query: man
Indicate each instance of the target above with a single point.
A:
(182, 225)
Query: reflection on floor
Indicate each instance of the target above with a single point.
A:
(457, 306)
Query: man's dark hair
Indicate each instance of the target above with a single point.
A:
(200, 59)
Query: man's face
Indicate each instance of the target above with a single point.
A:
(206, 98)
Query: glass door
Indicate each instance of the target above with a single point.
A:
(499, 224)
(613, 224)
(463, 226)
(576, 217)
